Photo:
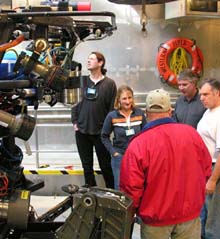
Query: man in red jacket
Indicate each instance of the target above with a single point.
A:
(164, 170)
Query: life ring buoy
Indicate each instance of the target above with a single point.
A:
(165, 51)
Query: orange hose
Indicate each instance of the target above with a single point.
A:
(13, 43)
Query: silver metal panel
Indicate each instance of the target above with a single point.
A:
(130, 59)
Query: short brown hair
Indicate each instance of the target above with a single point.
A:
(188, 74)
(214, 83)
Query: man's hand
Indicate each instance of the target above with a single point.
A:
(210, 186)
(115, 154)
(75, 126)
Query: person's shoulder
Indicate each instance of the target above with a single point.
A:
(108, 79)
(138, 111)
(142, 135)
(183, 128)
(113, 113)
(218, 109)
(180, 98)
(206, 113)
(136, 139)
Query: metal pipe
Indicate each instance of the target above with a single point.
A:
(15, 15)
(13, 84)
(20, 126)
(36, 142)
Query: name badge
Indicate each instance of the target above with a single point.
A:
(91, 91)
(129, 132)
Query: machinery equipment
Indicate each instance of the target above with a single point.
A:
(94, 213)
(43, 71)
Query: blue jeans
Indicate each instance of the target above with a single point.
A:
(212, 229)
(203, 218)
(116, 164)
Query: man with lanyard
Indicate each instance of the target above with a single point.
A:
(88, 116)
(164, 170)
(120, 126)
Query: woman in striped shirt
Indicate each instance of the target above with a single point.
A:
(124, 122)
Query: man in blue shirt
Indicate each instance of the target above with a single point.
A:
(189, 110)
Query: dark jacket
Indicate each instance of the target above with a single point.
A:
(90, 113)
(116, 123)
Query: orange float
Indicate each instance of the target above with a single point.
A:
(164, 54)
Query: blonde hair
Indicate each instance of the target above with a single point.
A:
(121, 90)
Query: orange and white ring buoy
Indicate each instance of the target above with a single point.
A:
(165, 51)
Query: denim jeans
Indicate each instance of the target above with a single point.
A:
(212, 230)
(116, 164)
(203, 218)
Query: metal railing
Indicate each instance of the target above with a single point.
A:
(60, 116)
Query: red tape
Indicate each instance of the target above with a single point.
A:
(82, 6)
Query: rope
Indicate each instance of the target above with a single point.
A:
(178, 60)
